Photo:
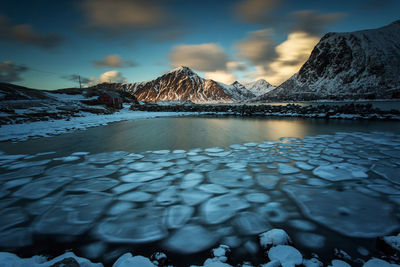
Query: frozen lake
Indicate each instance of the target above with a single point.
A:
(184, 185)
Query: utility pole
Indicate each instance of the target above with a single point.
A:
(80, 84)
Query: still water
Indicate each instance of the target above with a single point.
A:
(190, 132)
(185, 185)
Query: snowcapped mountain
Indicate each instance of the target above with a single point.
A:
(259, 87)
(182, 84)
(362, 64)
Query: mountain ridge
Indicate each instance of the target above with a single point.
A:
(181, 84)
(361, 64)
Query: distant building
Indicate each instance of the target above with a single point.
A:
(110, 99)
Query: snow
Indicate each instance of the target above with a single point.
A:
(259, 87)
(11, 260)
(127, 260)
(288, 256)
(339, 263)
(393, 241)
(21, 132)
(274, 237)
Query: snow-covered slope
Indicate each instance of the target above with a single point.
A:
(362, 64)
(259, 87)
(237, 91)
(182, 84)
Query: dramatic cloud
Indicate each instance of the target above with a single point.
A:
(114, 61)
(292, 54)
(203, 57)
(258, 47)
(312, 22)
(257, 11)
(221, 76)
(124, 13)
(9, 72)
(24, 33)
(236, 66)
(134, 17)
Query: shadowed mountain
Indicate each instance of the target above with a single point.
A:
(362, 64)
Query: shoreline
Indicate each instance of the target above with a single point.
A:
(276, 245)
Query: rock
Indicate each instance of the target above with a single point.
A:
(127, 260)
(286, 255)
(274, 237)
(66, 262)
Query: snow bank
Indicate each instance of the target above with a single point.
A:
(21, 132)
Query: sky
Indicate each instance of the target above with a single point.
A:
(47, 44)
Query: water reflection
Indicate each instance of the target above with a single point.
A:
(188, 133)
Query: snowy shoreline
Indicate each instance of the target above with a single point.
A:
(25, 131)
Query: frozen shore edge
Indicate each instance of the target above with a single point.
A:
(276, 245)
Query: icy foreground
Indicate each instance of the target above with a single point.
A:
(276, 245)
(190, 201)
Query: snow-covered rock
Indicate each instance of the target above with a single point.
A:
(288, 256)
(393, 241)
(259, 87)
(274, 237)
(127, 260)
(361, 64)
(182, 84)
(12, 260)
(339, 263)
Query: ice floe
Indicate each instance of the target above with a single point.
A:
(340, 172)
(347, 212)
(190, 239)
(219, 209)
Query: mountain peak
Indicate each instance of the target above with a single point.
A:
(182, 70)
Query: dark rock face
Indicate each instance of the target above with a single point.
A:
(363, 64)
(182, 84)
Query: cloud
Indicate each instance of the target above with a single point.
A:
(373, 5)
(134, 17)
(124, 13)
(114, 61)
(270, 13)
(291, 55)
(312, 22)
(24, 33)
(112, 76)
(10, 72)
(257, 11)
(258, 47)
(202, 57)
(236, 66)
(221, 76)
